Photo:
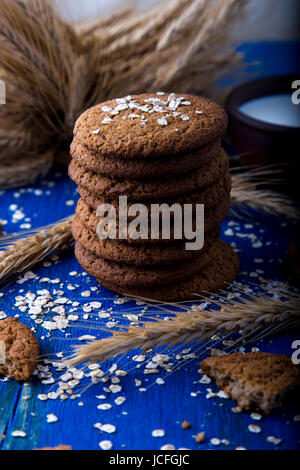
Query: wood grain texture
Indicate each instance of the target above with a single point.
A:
(164, 406)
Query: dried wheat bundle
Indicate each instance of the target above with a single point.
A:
(248, 190)
(54, 71)
(25, 249)
(274, 306)
(24, 171)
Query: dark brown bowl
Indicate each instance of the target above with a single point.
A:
(261, 143)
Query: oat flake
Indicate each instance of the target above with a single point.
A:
(18, 433)
(104, 406)
(158, 433)
(215, 441)
(105, 445)
(109, 428)
(168, 447)
(254, 428)
(51, 418)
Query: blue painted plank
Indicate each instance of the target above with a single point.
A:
(161, 406)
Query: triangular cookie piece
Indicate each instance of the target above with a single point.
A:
(255, 379)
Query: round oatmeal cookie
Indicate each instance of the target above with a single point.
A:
(150, 125)
(215, 198)
(143, 255)
(19, 349)
(132, 276)
(210, 196)
(144, 169)
(103, 186)
(221, 272)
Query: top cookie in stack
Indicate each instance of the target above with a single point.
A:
(153, 148)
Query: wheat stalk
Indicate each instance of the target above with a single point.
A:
(213, 18)
(25, 249)
(118, 16)
(249, 313)
(248, 190)
(54, 71)
(29, 169)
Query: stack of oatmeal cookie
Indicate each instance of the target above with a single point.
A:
(154, 149)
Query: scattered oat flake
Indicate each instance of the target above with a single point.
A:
(162, 121)
(254, 428)
(160, 381)
(158, 433)
(109, 428)
(205, 380)
(222, 394)
(115, 388)
(120, 301)
(86, 293)
(168, 447)
(236, 409)
(18, 433)
(51, 418)
(215, 441)
(274, 440)
(96, 304)
(42, 396)
(120, 400)
(256, 416)
(105, 445)
(107, 120)
(139, 358)
(87, 338)
(226, 442)
(96, 131)
(104, 406)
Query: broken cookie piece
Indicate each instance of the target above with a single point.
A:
(254, 380)
(19, 350)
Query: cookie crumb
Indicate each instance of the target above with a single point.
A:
(59, 447)
(185, 425)
(200, 437)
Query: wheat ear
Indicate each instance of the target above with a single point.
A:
(25, 249)
(247, 314)
(248, 189)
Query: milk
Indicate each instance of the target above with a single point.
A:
(273, 109)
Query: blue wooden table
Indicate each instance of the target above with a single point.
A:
(149, 404)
